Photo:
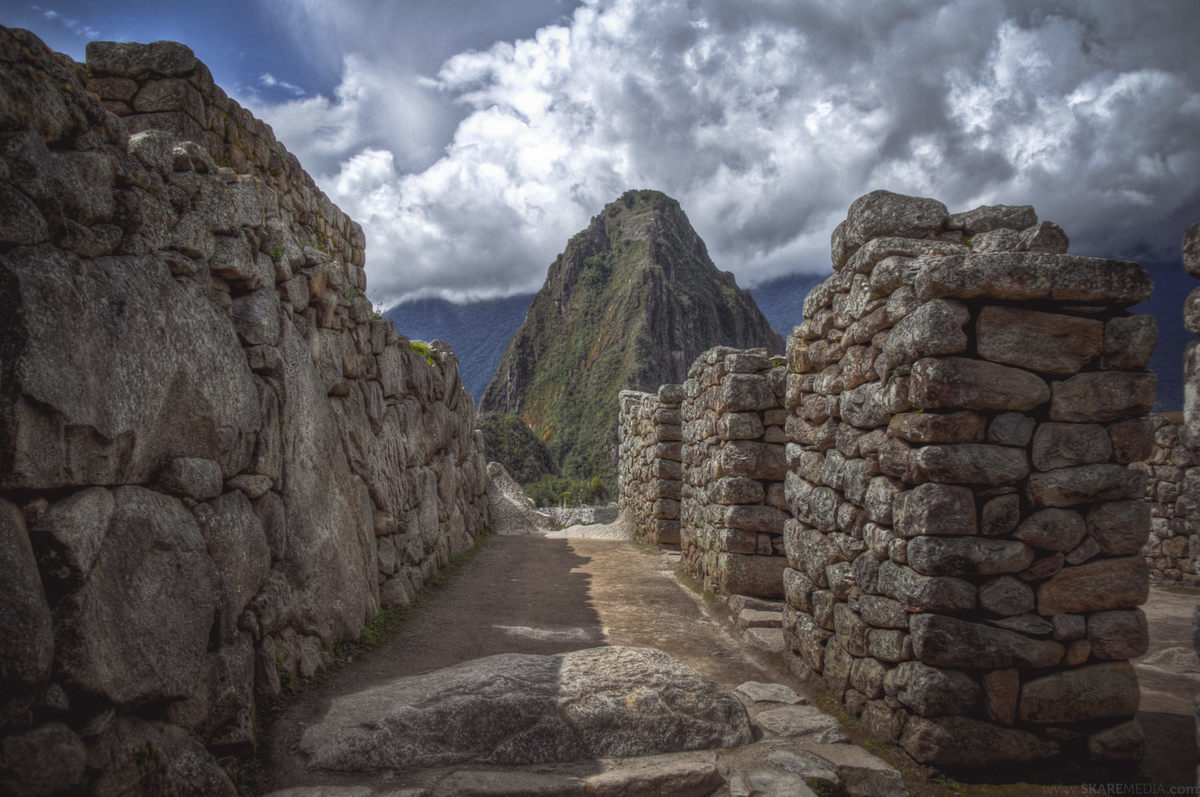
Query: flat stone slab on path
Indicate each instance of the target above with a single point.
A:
(518, 708)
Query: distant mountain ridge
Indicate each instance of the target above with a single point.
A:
(480, 331)
(629, 304)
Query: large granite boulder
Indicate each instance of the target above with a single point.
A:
(517, 708)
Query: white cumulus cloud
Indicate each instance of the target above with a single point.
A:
(765, 120)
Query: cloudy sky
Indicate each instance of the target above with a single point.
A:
(471, 138)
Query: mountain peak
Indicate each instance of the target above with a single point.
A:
(629, 303)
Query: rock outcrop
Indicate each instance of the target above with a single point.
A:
(215, 463)
(628, 305)
(518, 708)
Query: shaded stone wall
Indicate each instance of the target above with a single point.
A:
(1173, 492)
(215, 463)
(964, 560)
(733, 509)
(649, 462)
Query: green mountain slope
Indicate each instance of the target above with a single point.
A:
(629, 304)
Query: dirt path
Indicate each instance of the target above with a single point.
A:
(531, 595)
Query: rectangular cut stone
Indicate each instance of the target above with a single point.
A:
(1085, 483)
(755, 517)
(758, 576)
(741, 392)
(950, 642)
(1049, 342)
(1120, 583)
(1103, 396)
(961, 383)
(1034, 275)
(970, 463)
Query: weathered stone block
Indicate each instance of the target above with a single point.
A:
(1120, 527)
(1129, 341)
(925, 593)
(1052, 529)
(1099, 691)
(934, 427)
(961, 741)
(930, 691)
(1011, 429)
(1085, 483)
(1000, 515)
(1103, 396)
(1061, 445)
(1049, 342)
(1001, 689)
(1035, 275)
(1006, 596)
(934, 328)
(934, 509)
(970, 463)
(950, 642)
(1104, 584)
(958, 382)
(967, 556)
(759, 576)
(1120, 634)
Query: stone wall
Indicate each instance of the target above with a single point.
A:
(733, 507)
(215, 463)
(649, 462)
(1173, 492)
(962, 406)
(965, 556)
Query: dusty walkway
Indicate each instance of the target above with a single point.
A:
(533, 595)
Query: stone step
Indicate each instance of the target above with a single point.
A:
(768, 640)
(739, 603)
(756, 618)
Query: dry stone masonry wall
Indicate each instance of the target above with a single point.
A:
(733, 508)
(965, 556)
(1173, 492)
(215, 463)
(650, 461)
(962, 406)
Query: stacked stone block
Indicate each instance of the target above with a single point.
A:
(964, 563)
(650, 465)
(734, 510)
(215, 464)
(1173, 492)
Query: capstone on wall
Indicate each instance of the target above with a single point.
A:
(215, 463)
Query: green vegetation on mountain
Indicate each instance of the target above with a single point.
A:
(628, 305)
(510, 442)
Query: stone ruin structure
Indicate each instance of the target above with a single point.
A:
(650, 462)
(1173, 492)
(962, 548)
(215, 463)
